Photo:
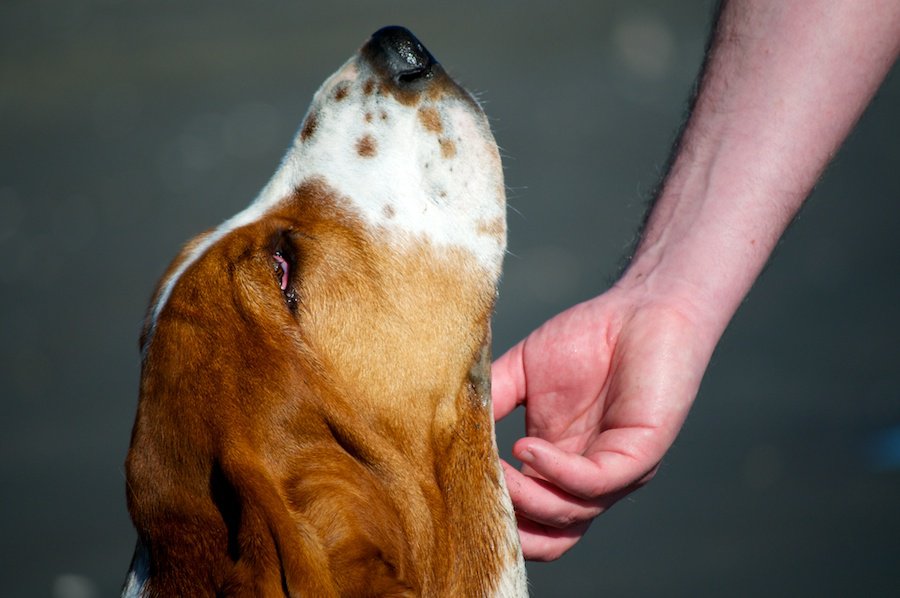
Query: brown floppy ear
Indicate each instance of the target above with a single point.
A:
(281, 554)
(240, 541)
(276, 553)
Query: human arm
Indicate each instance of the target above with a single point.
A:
(607, 384)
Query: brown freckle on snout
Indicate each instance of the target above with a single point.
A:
(309, 126)
(448, 148)
(492, 228)
(368, 117)
(368, 87)
(366, 147)
(384, 115)
(341, 90)
(430, 119)
(388, 210)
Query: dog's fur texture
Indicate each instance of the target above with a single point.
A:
(314, 415)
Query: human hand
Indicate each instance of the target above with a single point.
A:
(606, 387)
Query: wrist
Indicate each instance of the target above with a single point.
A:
(701, 252)
(651, 283)
(753, 149)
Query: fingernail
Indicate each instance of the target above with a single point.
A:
(526, 456)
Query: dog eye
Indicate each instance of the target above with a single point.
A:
(282, 270)
(284, 266)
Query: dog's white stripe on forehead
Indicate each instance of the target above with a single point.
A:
(405, 176)
(250, 214)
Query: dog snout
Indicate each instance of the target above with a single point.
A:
(400, 57)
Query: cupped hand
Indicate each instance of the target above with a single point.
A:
(606, 386)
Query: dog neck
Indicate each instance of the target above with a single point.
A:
(409, 404)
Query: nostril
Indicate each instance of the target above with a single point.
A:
(400, 55)
(413, 75)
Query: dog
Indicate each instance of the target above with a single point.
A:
(314, 416)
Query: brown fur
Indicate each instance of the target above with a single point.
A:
(431, 119)
(366, 146)
(448, 148)
(340, 445)
(309, 126)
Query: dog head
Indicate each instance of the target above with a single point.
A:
(387, 215)
(329, 340)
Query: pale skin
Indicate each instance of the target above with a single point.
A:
(607, 384)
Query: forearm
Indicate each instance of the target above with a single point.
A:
(784, 84)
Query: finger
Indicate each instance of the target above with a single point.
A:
(508, 382)
(540, 543)
(543, 503)
(603, 472)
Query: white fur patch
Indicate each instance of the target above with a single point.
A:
(408, 186)
(442, 198)
(138, 574)
(513, 581)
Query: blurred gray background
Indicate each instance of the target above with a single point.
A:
(127, 127)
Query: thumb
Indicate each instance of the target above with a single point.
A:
(508, 382)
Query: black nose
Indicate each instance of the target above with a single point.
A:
(400, 56)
